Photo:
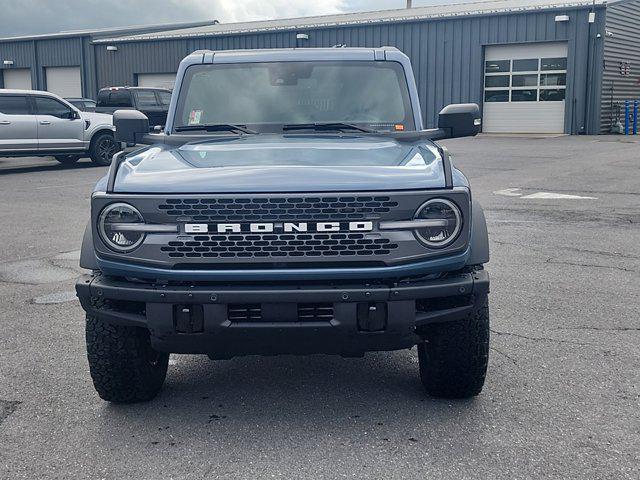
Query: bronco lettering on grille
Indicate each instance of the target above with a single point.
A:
(284, 227)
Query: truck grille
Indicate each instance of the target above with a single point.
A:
(280, 209)
(283, 245)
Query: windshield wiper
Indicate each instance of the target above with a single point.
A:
(215, 127)
(334, 126)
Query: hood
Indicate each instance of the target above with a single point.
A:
(97, 118)
(282, 163)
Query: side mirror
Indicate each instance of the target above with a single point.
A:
(130, 125)
(460, 120)
(70, 115)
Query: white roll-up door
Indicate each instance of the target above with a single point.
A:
(18, 78)
(64, 81)
(525, 88)
(157, 80)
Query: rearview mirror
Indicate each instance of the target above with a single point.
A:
(460, 120)
(131, 126)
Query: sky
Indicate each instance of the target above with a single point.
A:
(29, 17)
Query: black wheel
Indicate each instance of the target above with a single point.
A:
(67, 159)
(103, 148)
(453, 358)
(123, 366)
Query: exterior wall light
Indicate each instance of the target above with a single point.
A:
(112, 48)
(8, 63)
(562, 18)
(302, 36)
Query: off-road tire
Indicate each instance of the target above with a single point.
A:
(453, 358)
(67, 160)
(102, 149)
(123, 366)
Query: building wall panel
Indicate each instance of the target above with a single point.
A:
(621, 44)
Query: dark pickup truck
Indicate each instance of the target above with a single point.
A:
(153, 102)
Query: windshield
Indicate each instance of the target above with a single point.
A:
(268, 96)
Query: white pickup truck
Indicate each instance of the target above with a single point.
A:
(34, 123)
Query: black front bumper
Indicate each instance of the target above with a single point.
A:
(225, 321)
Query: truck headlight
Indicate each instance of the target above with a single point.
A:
(447, 222)
(117, 227)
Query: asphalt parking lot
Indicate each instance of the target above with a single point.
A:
(562, 397)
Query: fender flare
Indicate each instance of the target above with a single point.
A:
(88, 258)
(479, 236)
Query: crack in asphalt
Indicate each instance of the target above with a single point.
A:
(551, 261)
(541, 339)
(603, 329)
(603, 253)
(7, 407)
(606, 192)
(574, 217)
(508, 357)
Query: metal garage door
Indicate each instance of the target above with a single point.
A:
(158, 80)
(19, 78)
(64, 81)
(524, 88)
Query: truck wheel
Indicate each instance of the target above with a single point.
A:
(123, 366)
(103, 148)
(453, 358)
(67, 159)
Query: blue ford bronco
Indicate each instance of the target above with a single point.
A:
(293, 204)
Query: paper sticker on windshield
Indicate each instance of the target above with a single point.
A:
(194, 117)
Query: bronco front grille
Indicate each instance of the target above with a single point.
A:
(282, 245)
(271, 209)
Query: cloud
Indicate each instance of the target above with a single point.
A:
(28, 17)
(234, 11)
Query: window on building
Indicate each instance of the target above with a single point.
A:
(553, 79)
(497, 81)
(526, 65)
(494, 66)
(552, 95)
(530, 80)
(525, 80)
(554, 64)
(14, 105)
(496, 96)
(530, 95)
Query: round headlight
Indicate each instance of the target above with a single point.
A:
(116, 225)
(446, 222)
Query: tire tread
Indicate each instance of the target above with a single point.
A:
(454, 357)
(118, 362)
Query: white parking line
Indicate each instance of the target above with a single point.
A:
(508, 192)
(516, 192)
(555, 196)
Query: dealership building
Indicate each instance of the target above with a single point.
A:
(534, 66)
